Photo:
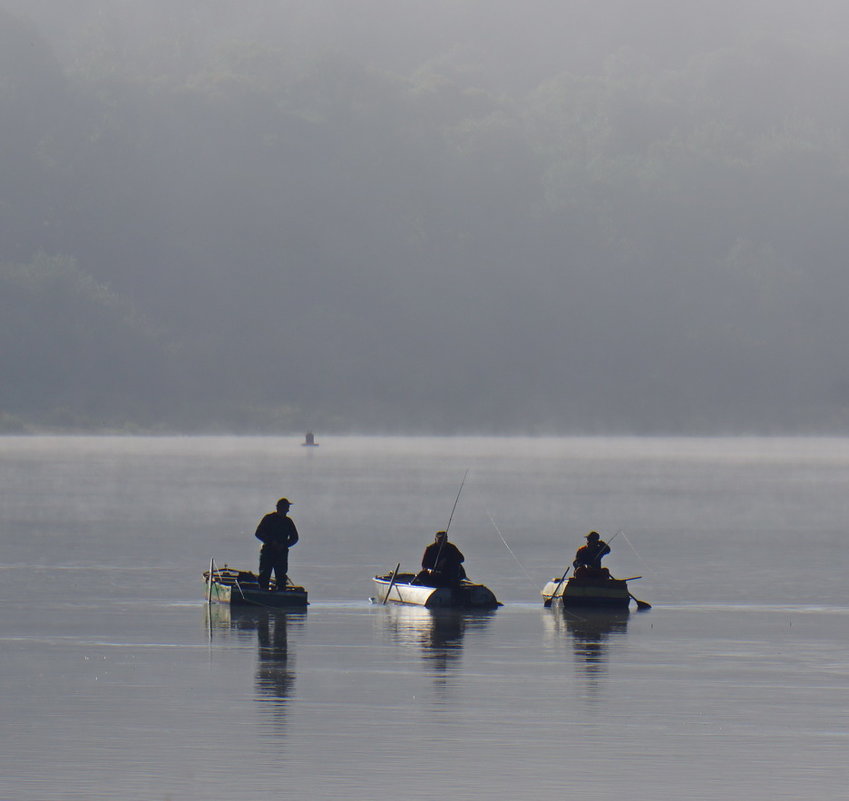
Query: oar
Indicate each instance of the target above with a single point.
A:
(209, 585)
(392, 583)
(641, 605)
(547, 603)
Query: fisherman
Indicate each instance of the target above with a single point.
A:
(589, 556)
(277, 533)
(442, 563)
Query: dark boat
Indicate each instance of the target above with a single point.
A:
(594, 589)
(241, 588)
(309, 440)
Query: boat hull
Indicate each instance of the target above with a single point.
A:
(588, 591)
(466, 595)
(240, 589)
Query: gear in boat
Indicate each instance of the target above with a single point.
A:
(242, 588)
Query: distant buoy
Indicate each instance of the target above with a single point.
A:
(309, 440)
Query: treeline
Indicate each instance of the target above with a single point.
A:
(219, 229)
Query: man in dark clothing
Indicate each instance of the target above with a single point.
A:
(442, 563)
(591, 554)
(277, 533)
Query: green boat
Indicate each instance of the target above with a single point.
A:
(241, 588)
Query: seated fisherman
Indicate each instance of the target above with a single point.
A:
(588, 558)
(442, 563)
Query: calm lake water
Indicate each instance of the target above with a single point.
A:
(118, 682)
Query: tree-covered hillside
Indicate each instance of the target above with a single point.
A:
(427, 217)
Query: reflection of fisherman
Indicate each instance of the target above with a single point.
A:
(275, 667)
(277, 533)
(442, 563)
(589, 556)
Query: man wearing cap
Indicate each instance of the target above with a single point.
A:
(591, 554)
(442, 563)
(277, 533)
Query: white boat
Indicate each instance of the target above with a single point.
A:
(400, 588)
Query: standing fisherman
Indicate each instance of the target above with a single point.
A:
(277, 533)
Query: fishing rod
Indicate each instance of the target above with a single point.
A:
(456, 500)
(444, 539)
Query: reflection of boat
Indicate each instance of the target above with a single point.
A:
(240, 620)
(309, 440)
(595, 626)
(400, 588)
(275, 665)
(241, 588)
(589, 588)
(434, 628)
(592, 633)
(438, 632)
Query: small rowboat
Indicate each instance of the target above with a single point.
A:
(399, 588)
(595, 589)
(241, 588)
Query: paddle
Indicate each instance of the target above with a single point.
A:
(392, 583)
(209, 585)
(547, 603)
(642, 606)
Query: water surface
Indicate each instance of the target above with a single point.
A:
(117, 681)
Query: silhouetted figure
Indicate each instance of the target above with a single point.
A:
(589, 556)
(442, 563)
(277, 533)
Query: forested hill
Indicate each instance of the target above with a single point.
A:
(449, 216)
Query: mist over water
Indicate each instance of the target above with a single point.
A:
(112, 664)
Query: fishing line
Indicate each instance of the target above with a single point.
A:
(630, 545)
(565, 611)
(518, 562)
